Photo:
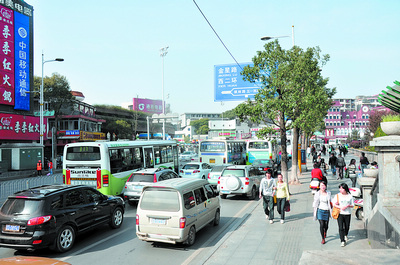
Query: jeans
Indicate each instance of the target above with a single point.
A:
(280, 206)
(353, 180)
(344, 225)
(333, 169)
(363, 166)
(340, 172)
(268, 204)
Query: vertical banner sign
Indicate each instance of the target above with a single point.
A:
(21, 33)
(6, 56)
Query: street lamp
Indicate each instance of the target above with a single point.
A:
(41, 97)
(163, 53)
(270, 38)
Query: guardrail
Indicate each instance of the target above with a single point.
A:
(9, 187)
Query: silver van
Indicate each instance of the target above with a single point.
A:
(174, 210)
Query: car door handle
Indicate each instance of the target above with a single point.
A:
(73, 213)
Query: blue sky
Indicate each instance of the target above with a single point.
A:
(111, 48)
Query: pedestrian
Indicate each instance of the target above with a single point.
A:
(267, 192)
(363, 162)
(352, 172)
(322, 209)
(308, 151)
(340, 164)
(282, 195)
(51, 167)
(39, 168)
(332, 163)
(316, 173)
(323, 149)
(345, 202)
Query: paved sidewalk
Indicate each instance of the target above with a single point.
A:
(298, 240)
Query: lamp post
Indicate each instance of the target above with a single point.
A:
(41, 96)
(163, 53)
(270, 38)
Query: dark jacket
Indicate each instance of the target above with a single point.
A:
(340, 162)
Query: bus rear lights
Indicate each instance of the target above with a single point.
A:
(182, 222)
(180, 171)
(105, 180)
(39, 220)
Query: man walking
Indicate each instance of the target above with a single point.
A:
(51, 167)
(267, 190)
(332, 163)
(340, 163)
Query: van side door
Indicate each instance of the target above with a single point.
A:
(212, 201)
(201, 206)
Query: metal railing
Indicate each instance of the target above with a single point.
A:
(9, 187)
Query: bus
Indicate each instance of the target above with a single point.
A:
(107, 165)
(218, 152)
(261, 149)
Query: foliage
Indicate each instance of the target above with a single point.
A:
(187, 139)
(266, 133)
(123, 129)
(292, 88)
(390, 117)
(229, 114)
(355, 144)
(379, 132)
(203, 129)
(197, 124)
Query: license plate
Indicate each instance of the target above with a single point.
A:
(225, 191)
(158, 221)
(14, 228)
(212, 161)
(188, 173)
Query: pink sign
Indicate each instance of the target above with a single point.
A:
(19, 127)
(6, 56)
(147, 105)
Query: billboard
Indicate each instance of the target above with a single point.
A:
(16, 53)
(19, 127)
(147, 105)
(229, 84)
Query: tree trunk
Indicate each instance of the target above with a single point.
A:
(284, 156)
(295, 166)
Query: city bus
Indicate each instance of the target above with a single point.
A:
(218, 152)
(108, 165)
(261, 149)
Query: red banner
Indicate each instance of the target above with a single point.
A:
(19, 127)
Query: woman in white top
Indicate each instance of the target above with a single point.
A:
(345, 202)
(322, 209)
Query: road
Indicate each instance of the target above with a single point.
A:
(107, 246)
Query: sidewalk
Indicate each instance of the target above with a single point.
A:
(298, 240)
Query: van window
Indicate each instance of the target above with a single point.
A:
(200, 195)
(188, 200)
(209, 190)
(160, 200)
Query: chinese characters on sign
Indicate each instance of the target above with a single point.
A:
(147, 105)
(19, 127)
(229, 83)
(6, 56)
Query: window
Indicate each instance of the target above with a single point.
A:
(188, 200)
(74, 198)
(209, 190)
(200, 196)
(56, 202)
(155, 199)
(83, 153)
(93, 196)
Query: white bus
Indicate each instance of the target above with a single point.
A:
(217, 152)
(262, 149)
(107, 165)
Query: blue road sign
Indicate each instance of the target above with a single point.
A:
(229, 83)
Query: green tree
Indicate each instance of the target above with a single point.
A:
(292, 89)
(200, 124)
(229, 114)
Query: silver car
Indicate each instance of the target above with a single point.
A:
(139, 179)
(215, 173)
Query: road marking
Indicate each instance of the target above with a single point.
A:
(197, 252)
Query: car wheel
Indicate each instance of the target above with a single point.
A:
(253, 193)
(65, 239)
(117, 218)
(360, 213)
(217, 218)
(191, 236)
(223, 196)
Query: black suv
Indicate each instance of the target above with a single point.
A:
(52, 215)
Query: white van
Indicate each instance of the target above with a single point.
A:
(172, 211)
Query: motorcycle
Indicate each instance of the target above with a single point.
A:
(314, 185)
(358, 202)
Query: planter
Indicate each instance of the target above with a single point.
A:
(391, 127)
(371, 172)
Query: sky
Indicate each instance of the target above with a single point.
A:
(112, 48)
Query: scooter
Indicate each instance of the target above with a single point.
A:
(358, 202)
(314, 185)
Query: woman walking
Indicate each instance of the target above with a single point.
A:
(352, 172)
(282, 194)
(345, 202)
(322, 209)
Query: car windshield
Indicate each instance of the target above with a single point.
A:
(141, 178)
(218, 168)
(233, 172)
(187, 153)
(155, 199)
(191, 166)
(21, 206)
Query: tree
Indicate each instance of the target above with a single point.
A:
(200, 124)
(229, 114)
(292, 89)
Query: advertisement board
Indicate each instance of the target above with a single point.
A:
(147, 105)
(229, 84)
(19, 127)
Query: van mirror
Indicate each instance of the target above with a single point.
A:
(216, 193)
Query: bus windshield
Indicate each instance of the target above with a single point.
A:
(212, 146)
(83, 153)
(258, 145)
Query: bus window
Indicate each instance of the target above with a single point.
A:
(83, 153)
(137, 158)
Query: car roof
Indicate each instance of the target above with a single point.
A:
(150, 170)
(180, 184)
(239, 167)
(44, 191)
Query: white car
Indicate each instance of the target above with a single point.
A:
(195, 170)
(240, 179)
(187, 156)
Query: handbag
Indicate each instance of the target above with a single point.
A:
(346, 174)
(287, 206)
(335, 210)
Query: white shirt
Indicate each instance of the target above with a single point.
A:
(344, 200)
